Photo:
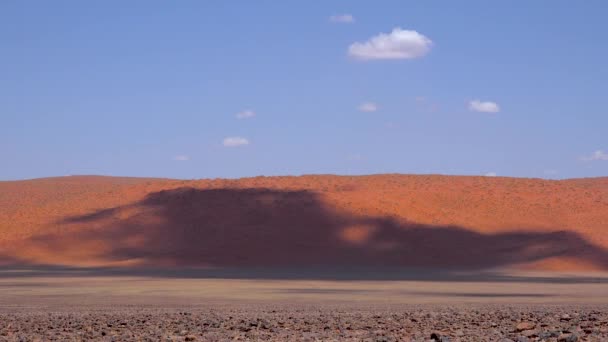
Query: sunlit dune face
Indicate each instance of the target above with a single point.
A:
(357, 234)
(559, 264)
(126, 213)
(82, 253)
(76, 252)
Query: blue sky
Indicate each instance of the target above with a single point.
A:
(198, 89)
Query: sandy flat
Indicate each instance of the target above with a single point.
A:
(76, 305)
(30, 288)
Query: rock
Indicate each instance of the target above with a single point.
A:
(525, 326)
(567, 338)
(264, 324)
(530, 333)
(190, 338)
(437, 336)
(548, 334)
(565, 318)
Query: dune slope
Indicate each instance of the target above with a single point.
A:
(455, 222)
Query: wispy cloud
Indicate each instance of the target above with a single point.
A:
(597, 155)
(246, 114)
(398, 44)
(235, 141)
(368, 107)
(342, 19)
(484, 106)
(181, 157)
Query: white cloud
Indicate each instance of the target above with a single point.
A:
(246, 114)
(597, 155)
(491, 174)
(342, 18)
(368, 107)
(484, 106)
(235, 141)
(181, 158)
(399, 44)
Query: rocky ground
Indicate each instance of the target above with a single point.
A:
(311, 323)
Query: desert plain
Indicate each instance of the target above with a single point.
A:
(320, 257)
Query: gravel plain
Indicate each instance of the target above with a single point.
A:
(43, 307)
(311, 323)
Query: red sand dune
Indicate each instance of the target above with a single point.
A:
(381, 220)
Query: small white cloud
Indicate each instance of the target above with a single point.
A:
(597, 155)
(484, 106)
(342, 19)
(246, 114)
(368, 107)
(399, 44)
(490, 174)
(181, 158)
(235, 141)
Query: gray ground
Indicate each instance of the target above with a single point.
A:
(64, 306)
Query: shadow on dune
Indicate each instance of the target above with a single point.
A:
(261, 229)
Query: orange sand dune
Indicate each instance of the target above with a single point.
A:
(422, 221)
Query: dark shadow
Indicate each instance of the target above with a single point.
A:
(322, 291)
(251, 232)
(485, 295)
(25, 285)
(295, 273)
(98, 215)
(415, 293)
